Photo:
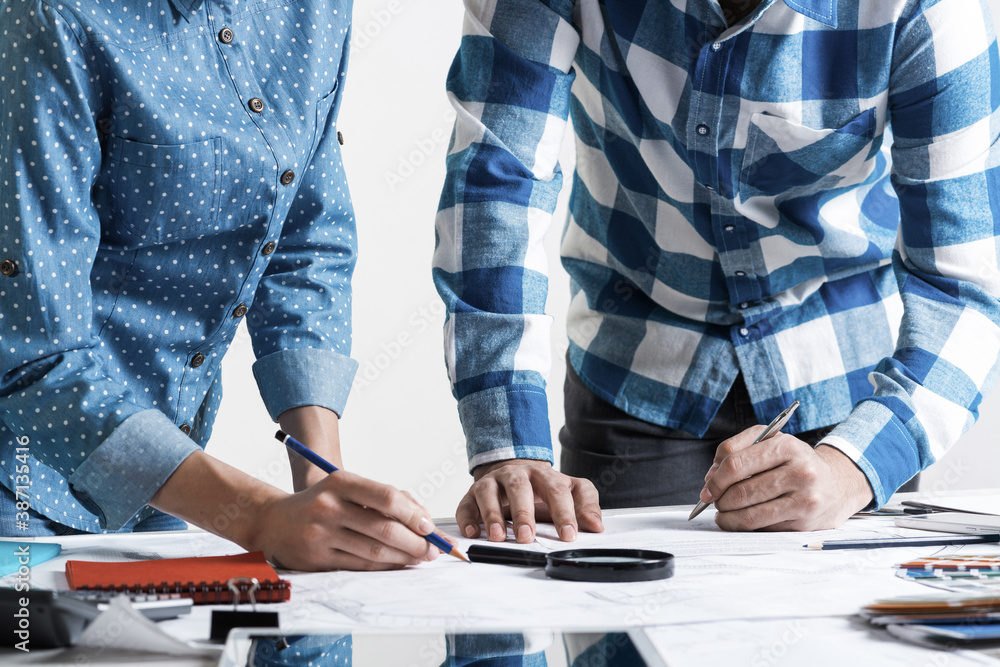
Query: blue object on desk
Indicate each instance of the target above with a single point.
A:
(970, 631)
(15, 554)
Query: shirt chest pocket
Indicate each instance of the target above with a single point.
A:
(785, 157)
(161, 193)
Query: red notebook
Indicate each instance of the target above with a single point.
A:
(205, 580)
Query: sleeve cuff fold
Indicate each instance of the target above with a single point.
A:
(122, 475)
(294, 378)
(879, 443)
(503, 423)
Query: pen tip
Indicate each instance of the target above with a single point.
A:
(699, 508)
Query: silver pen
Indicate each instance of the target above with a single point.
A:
(771, 429)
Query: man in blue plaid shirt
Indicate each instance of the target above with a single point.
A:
(773, 200)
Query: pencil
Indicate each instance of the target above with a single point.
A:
(904, 542)
(771, 429)
(327, 467)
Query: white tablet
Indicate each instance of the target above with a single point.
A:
(951, 522)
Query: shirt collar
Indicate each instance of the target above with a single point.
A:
(187, 8)
(824, 11)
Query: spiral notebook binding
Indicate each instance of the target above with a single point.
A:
(204, 592)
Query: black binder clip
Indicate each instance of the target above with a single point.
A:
(224, 620)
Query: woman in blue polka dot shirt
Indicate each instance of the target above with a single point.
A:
(171, 168)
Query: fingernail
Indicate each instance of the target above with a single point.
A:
(715, 466)
(425, 526)
(568, 533)
(471, 531)
(497, 533)
(706, 495)
(524, 533)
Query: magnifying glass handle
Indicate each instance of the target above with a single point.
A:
(482, 553)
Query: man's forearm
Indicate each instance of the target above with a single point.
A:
(224, 500)
(215, 496)
(319, 430)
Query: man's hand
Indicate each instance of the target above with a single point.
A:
(783, 484)
(526, 490)
(342, 522)
(339, 522)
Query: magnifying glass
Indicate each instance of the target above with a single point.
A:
(583, 564)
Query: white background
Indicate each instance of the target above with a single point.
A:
(401, 424)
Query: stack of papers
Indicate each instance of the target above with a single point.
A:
(939, 620)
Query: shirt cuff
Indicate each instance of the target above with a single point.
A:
(503, 423)
(876, 439)
(294, 378)
(122, 475)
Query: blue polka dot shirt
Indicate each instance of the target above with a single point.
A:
(170, 168)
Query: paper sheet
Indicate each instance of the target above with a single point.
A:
(718, 575)
(817, 642)
(988, 503)
(121, 628)
(670, 531)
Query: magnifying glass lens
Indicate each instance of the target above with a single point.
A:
(583, 564)
(609, 565)
(606, 559)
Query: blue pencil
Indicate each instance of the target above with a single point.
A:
(327, 467)
(929, 541)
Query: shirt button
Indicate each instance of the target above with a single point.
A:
(710, 188)
(8, 267)
(226, 36)
(239, 311)
(256, 104)
(185, 429)
(268, 249)
(287, 177)
(716, 46)
(702, 130)
(744, 332)
(741, 273)
(340, 138)
(197, 360)
(729, 228)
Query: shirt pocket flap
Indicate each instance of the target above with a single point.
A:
(161, 193)
(782, 156)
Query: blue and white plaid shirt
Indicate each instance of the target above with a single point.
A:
(739, 206)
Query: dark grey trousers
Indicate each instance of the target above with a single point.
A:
(634, 463)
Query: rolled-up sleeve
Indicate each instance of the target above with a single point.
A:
(943, 105)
